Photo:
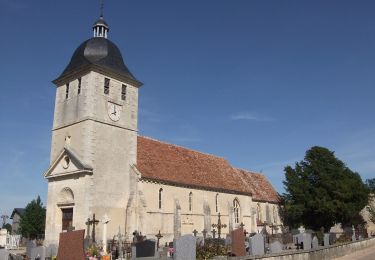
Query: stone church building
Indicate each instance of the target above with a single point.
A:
(100, 165)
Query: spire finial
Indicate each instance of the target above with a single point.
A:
(101, 7)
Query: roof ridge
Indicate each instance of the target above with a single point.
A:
(189, 149)
(249, 171)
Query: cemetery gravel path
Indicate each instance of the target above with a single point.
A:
(365, 254)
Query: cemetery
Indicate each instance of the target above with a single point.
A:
(239, 244)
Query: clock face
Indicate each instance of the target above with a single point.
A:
(114, 111)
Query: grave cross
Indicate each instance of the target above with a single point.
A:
(242, 225)
(158, 236)
(71, 228)
(195, 232)
(88, 224)
(219, 226)
(92, 222)
(214, 233)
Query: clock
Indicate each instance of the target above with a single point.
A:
(114, 111)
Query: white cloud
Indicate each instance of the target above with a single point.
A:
(250, 116)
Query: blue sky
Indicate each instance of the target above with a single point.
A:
(255, 82)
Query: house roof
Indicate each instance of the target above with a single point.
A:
(19, 211)
(176, 165)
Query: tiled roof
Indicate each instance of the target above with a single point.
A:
(162, 162)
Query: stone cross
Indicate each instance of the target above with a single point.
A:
(70, 228)
(214, 233)
(88, 224)
(301, 229)
(158, 236)
(195, 232)
(105, 221)
(242, 225)
(94, 223)
(219, 226)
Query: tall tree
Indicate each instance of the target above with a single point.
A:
(321, 191)
(32, 222)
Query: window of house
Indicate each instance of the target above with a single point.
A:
(190, 201)
(66, 90)
(236, 211)
(123, 92)
(160, 197)
(79, 86)
(106, 86)
(217, 202)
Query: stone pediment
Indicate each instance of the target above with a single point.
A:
(67, 163)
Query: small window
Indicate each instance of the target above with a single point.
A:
(160, 197)
(190, 201)
(106, 86)
(123, 92)
(79, 86)
(67, 91)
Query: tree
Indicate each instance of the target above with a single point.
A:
(371, 184)
(321, 191)
(32, 222)
(8, 227)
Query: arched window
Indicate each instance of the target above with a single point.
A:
(259, 213)
(190, 201)
(236, 211)
(160, 197)
(217, 202)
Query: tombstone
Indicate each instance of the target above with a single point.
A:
(238, 242)
(228, 240)
(185, 248)
(353, 236)
(29, 247)
(38, 253)
(306, 241)
(276, 247)
(326, 239)
(71, 245)
(145, 248)
(315, 243)
(4, 254)
(257, 244)
(3, 237)
(51, 250)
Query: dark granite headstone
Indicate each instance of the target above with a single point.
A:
(145, 248)
(238, 242)
(71, 246)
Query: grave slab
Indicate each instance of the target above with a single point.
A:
(185, 248)
(71, 245)
(238, 242)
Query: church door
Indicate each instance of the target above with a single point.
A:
(67, 218)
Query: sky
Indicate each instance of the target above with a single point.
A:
(255, 82)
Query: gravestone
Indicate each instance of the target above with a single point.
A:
(145, 248)
(185, 248)
(228, 240)
(3, 237)
(4, 254)
(306, 241)
(38, 253)
(276, 247)
(71, 245)
(257, 244)
(29, 247)
(315, 243)
(238, 242)
(51, 250)
(326, 239)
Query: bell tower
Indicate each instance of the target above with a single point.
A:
(94, 138)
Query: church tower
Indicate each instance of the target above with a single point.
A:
(94, 138)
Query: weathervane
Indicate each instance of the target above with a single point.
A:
(101, 7)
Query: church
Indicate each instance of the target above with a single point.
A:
(100, 165)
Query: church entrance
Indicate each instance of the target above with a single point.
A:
(67, 218)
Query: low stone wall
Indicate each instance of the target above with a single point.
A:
(324, 253)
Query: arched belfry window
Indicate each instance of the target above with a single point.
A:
(190, 201)
(217, 202)
(160, 197)
(236, 211)
(274, 215)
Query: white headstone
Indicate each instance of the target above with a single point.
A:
(257, 244)
(276, 247)
(30, 245)
(3, 237)
(38, 253)
(185, 248)
(4, 254)
(306, 241)
(326, 239)
(315, 243)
